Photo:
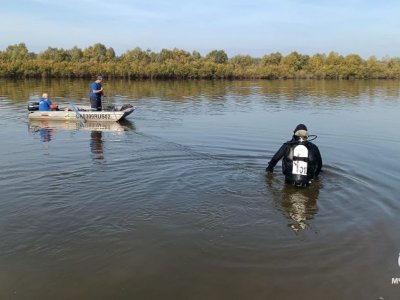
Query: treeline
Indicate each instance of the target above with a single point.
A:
(17, 62)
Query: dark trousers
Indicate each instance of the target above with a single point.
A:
(95, 103)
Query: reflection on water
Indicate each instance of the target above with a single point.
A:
(46, 134)
(71, 125)
(48, 128)
(292, 91)
(96, 144)
(299, 204)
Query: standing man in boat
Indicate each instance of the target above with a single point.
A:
(302, 160)
(96, 91)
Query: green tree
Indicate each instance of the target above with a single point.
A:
(136, 55)
(196, 55)
(272, 59)
(17, 52)
(76, 54)
(243, 60)
(97, 53)
(316, 66)
(352, 67)
(295, 61)
(217, 56)
(55, 54)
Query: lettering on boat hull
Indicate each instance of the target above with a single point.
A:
(98, 116)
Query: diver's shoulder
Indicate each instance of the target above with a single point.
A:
(312, 145)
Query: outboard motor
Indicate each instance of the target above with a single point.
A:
(126, 106)
(33, 105)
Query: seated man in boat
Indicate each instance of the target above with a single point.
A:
(302, 160)
(45, 103)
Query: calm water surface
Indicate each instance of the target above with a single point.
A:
(174, 203)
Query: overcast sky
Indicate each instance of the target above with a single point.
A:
(254, 27)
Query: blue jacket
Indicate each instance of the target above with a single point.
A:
(44, 104)
(95, 86)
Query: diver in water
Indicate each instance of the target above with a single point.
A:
(302, 160)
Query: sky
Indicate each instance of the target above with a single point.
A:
(245, 27)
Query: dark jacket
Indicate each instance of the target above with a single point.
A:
(297, 170)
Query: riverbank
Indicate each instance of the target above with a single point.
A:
(17, 62)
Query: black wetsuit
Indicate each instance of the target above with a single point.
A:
(311, 164)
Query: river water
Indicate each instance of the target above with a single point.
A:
(174, 203)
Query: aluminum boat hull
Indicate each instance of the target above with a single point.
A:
(87, 115)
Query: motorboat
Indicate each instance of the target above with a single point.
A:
(82, 113)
